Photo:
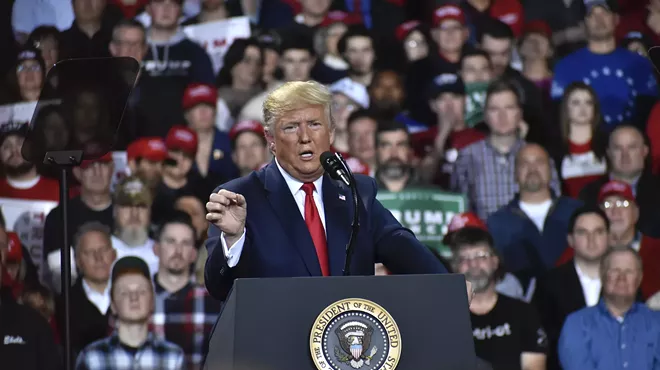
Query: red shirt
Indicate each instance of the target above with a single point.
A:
(653, 132)
(356, 165)
(42, 188)
(580, 167)
(130, 8)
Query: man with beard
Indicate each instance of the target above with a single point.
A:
(507, 332)
(617, 333)
(22, 180)
(184, 312)
(530, 232)
(132, 212)
(357, 48)
(393, 157)
(145, 159)
(624, 81)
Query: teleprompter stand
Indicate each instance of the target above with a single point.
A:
(77, 119)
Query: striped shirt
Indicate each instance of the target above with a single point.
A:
(487, 177)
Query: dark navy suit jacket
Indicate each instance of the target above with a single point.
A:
(278, 243)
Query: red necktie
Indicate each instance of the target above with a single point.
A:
(315, 226)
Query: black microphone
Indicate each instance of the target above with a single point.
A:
(334, 166)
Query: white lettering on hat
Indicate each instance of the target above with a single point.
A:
(445, 79)
(184, 135)
(200, 91)
(615, 186)
(509, 18)
(133, 187)
(448, 11)
(458, 222)
(410, 25)
(156, 145)
(246, 125)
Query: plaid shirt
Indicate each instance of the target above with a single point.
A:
(109, 354)
(186, 318)
(487, 177)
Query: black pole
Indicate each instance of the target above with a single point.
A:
(66, 267)
(355, 227)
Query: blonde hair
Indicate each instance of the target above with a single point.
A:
(295, 95)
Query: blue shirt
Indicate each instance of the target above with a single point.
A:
(618, 79)
(593, 339)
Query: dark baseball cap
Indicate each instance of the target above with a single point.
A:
(130, 264)
(446, 83)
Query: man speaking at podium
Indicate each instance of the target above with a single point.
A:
(291, 219)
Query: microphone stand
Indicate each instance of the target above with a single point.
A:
(355, 226)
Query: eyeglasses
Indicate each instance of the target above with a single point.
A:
(30, 68)
(339, 106)
(616, 204)
(478, 257)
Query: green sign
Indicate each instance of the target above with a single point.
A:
(475, 98)
(427, 212)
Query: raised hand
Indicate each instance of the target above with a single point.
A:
(227, 211)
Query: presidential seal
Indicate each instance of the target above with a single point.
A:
(355, 333)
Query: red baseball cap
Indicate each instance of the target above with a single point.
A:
(181, 138)
(460, 221)
(537, 26)
(337, 16)
(405, 29)
(198, 93)
(107, 158)
(617, 188)
(446, 12)
(150, 148)
(246, 126)
(15, 251)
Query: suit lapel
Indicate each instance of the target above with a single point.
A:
(574, 286)
(286, 209)
(338, 215)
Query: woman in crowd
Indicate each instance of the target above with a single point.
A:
(239, 80)
(46, 39)
(579, 160)
(27, 78)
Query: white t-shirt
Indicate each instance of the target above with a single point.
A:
(537, 212)
(145, 251)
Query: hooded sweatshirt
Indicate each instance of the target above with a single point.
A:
(168, 68)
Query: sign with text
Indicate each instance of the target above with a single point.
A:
(27, 219)
(426, 212)
(216, 37)
(121, 170)
(19, 112)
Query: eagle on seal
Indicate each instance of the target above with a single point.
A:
(355, 340)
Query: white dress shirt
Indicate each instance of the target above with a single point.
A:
(233, 254)
(100, 300)
(590, 287)
(30, 14)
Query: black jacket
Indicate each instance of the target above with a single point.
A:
(26, 340)
(647, 194)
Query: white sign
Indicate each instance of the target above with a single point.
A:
(121, 171)
(27, 219)
(19, 112)
(216, 37)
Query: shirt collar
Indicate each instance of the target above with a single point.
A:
(514, 148)
(115, 342)
(581, 275)
(89, 291)
(603, 309)
(295, 185)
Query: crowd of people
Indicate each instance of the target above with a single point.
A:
(543, 114)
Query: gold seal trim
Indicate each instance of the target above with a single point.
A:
(359, 308)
